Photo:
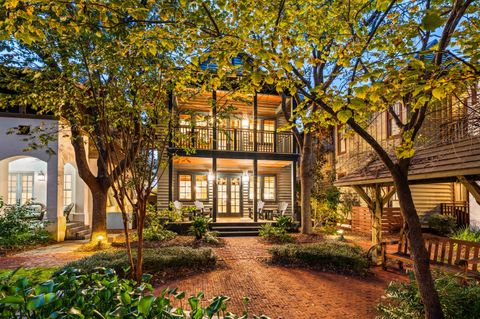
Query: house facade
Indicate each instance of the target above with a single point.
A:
(226, 152)
(445, 170)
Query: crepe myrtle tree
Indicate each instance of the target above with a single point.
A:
(351, 60)
(78, 60)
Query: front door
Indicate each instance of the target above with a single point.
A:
(229, 195)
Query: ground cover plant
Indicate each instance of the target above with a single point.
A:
(441, 224)
(276, 233)
(467, 234)
(328, 255)
(18, 229)
(35, 275)
(101, 294)
(156, 260)
(459, 300)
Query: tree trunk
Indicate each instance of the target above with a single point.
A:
(141, 212)
(99, 217)
(306, 183)
(426, 287)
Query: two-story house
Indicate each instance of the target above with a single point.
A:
(445, 170)
(226, 152)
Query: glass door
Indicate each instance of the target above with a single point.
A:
(229, 195)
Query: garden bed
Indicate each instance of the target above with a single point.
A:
(183, 241)
(162, 263)
(328, 255)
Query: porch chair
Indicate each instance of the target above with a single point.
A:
(260, 206)
(201, 210)
(281, 209)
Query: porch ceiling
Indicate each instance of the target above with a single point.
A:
(202, 102)
(226, 164)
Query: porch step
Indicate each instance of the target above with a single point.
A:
(236, 229)
(77, 231)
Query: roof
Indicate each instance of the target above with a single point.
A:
(442, 162)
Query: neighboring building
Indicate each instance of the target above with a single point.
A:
(45, 175)
(444, 169)
(221, 157)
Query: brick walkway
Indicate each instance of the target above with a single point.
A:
(285, 292)
(51, 256)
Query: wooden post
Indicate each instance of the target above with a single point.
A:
(214, 114)
(255, 186)
(255, 121)
(215, 189)
(472, 187)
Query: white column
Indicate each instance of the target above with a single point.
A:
(55, 216)
(4, 179)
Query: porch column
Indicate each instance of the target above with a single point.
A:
(170, 179)
(214, 114)
(294, 190)
(255, 186)
(255, 121)
(472, 187)
(4, 179)
(55, 178)
(215, 188)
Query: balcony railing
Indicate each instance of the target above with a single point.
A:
(234, 139)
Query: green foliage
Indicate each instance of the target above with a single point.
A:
(275, 234)
(459, 301)
(287, 223)
(441, 224)
(155, 227)
(467, 233)
(156, 260)
(328, 255)
(200, 227)
(35, 275)
(18, 228)
(102, 294)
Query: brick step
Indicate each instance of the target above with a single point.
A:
(234, 228)
(77, 231)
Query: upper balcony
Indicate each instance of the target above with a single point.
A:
(234, 139)
(232, 122)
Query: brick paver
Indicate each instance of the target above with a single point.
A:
(281, 292)
(51, 256)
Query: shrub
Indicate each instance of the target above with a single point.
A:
(459, 301)
(199, 227)
(287, 223)
(101, 294)
(467, 234)
(275, 234)
(36, 275)
(441, 224)
(155, 260)
(18, 229)
(155, 227)
(328, 255)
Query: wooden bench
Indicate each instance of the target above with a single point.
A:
(447, 253)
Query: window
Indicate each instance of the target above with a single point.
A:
(67, 189)
(269, 125)
(266, 188)
(269, 188)
(20, 188)
(201, 187)
(185, 120)
(341, 141)
(185, 187)
(392, 128)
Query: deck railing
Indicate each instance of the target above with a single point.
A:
(234, 139)
(458, 210)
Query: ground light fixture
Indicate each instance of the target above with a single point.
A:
(100, 239)
(340, 233)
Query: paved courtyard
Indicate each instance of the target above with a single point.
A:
(281, 292)
(51, 256)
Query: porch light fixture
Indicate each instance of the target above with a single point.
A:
(245, 121)
(245, 177)
(41, 176)
(211, 176)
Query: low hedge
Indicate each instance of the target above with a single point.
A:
(155, 260)
(328, 255)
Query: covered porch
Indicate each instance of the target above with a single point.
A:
(231, 190)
